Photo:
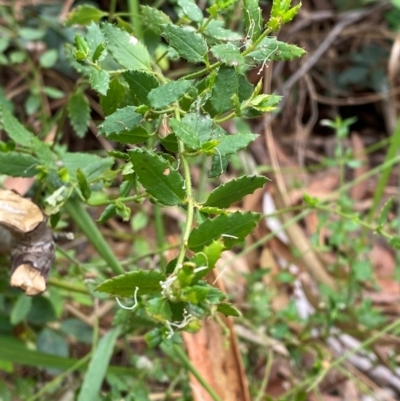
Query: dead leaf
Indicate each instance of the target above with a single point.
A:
(214, 351)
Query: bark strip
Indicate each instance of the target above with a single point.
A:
(25, 236)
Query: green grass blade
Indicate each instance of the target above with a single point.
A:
(15, 351)
(383, 179)
(98, 367)
(81, 217)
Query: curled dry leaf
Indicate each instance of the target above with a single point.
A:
(25, 235)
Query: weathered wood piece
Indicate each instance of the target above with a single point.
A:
(25, 236)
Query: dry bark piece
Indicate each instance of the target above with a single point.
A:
(27, 238)
(17, 213)
(29, 279)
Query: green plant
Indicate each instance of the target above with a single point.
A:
(162, 128)
(138, 102)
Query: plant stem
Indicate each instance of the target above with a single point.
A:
(226, 118)
(133, 7)
(203, 71)
(261, 394)
(113, 4)
(190, 201)
(81, 217)
(67, 286)
(349, 216)
(353, 351)
(186, 362)
(190, 210)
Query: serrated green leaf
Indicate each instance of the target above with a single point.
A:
(109, 212)
(99, 52)
(115, 97)
(84, 15)
(82, 47)
(272, 49)
(290, 14)
(185, 133)
(384, 213)
(43, 152)
(83, 184)
(215, 29)
(232, 228)
(205, 260)
(124, 119)
(20, 309)
(202, 292)
(100, 81)
(168, 93)
(94, 376)
(245, 88)
(15, 130)
(125, 284)
(93, 166)
(252, 19)
(226, 85)
(234, 190)
(232, 143)
(132, 137)
(95, 170)
(17, 164)
(170, 142)
(141, 83)
(79, 113)
(159, 309)
(158, 177)
(190, 45)
(264, 103)
(218, 165)
(220, 5)
(153, 19)
(125, 48)
(212, 210)
(229, 54)
(276, 9)
(228, 310)
(191, 10)
(95, 38)
(202, 125)
(70, 56)
(118, 155)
